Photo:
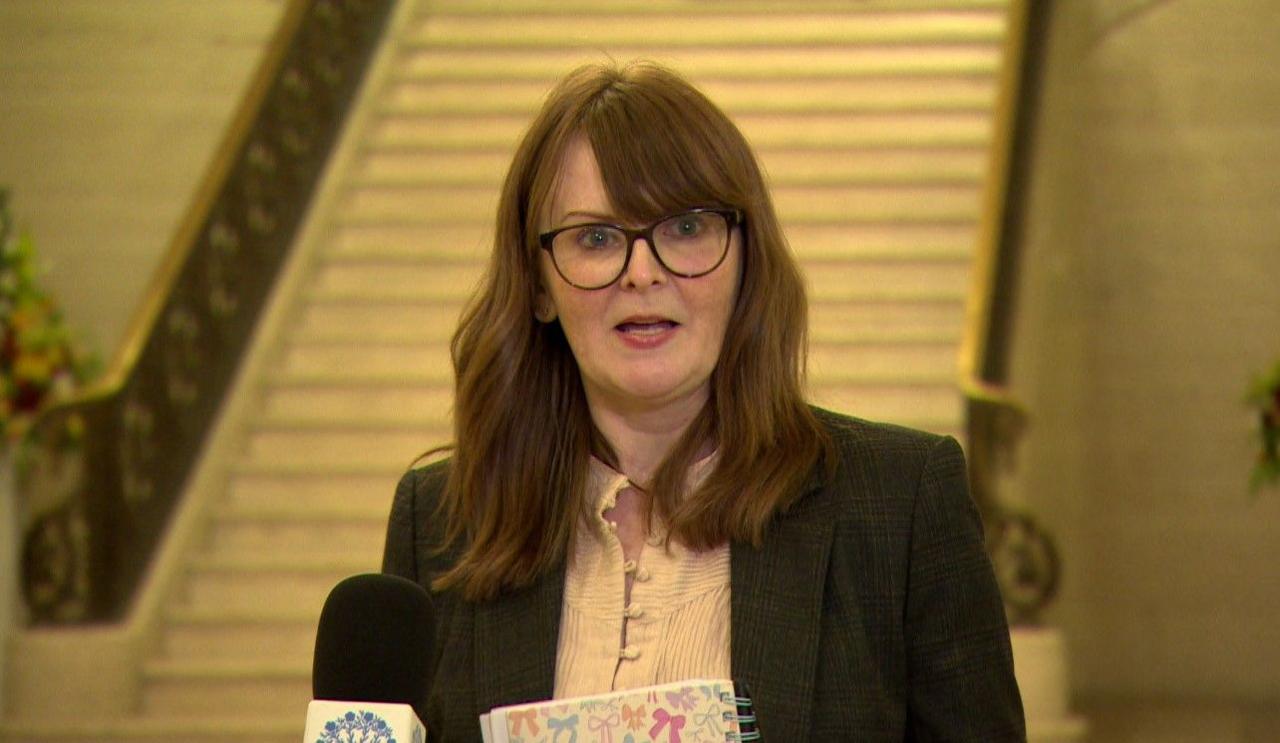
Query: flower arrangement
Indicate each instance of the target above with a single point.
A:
(39, 361)
(1264, 397)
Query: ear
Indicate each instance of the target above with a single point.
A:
(543, 308)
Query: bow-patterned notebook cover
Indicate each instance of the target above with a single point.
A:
(693, 711)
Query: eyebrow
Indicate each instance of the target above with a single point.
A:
(595, 216)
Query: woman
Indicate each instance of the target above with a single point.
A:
(638, 492)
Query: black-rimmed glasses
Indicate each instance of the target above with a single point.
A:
(594, 255)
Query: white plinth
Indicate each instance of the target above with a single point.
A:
(1040, 663)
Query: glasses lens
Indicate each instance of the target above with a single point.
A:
(590, 255)
(692, 243)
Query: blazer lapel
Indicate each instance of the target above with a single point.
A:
(515, 644)
(776, 608)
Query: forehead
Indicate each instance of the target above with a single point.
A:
(578, 184)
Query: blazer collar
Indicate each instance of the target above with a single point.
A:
(776, 605)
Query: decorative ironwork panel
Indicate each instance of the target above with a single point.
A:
(88, 538)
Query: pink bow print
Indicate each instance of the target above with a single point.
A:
(663, 717)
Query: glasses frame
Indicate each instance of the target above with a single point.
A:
(732, 217)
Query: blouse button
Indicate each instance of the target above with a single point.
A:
(629, 566)
(633, 611)
(630, 652)
(642, 575)
(613, 527)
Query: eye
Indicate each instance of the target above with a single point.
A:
(685, 226)
(595, 237)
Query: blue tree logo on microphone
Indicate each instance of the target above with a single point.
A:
(357, 727)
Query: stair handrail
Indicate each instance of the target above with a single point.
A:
(100, 472)
(1023, 552)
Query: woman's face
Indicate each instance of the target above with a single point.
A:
(649, 340)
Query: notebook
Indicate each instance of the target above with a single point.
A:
(692, 711)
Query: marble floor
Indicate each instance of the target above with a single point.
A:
(1180, 721)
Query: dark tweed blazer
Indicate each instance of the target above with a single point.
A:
(869, 614)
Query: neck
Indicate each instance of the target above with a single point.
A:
(643, 436)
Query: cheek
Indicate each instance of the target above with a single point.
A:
(575, 310)
(730, 285)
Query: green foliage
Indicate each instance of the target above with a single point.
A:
(40, 362)
(1264, 397)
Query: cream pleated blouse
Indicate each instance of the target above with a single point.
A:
(677, 623)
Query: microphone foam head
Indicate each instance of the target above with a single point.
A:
(374, 642)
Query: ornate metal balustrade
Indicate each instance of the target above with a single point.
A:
(1025, 558)
(103, 472)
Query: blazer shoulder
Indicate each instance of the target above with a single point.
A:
(857, 436)
(883, 462)
(424, 484)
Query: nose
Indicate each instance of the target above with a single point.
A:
(643, 268)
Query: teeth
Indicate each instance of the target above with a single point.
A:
(648, 328)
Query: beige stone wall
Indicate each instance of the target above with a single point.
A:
(109, 112)
(1151, 295)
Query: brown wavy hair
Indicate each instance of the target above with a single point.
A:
(523, 432)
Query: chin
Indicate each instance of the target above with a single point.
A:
(656, 392)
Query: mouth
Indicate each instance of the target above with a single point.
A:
(640, 327)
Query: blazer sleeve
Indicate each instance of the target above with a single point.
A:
(959, 660)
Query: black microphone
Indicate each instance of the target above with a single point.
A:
(372, 658)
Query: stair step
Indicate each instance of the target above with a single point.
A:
(640, 7)
(456, 242)
(298, 563)
(319, 491)
(737, 97)
(886, 280)
(950, 242)
(201, 727)
(765, 131)
(264, 531)
(832, 361)
(243, 635)
(368, 361)
(853, 166)
(933, 407)
(395, 280)
(191, 688)
(726, 28)
(870, 166)
(426, 402)
(880, 320)
(276, 577)
(392, 448)
(762, 62)
(826, 204)
(376, 322)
